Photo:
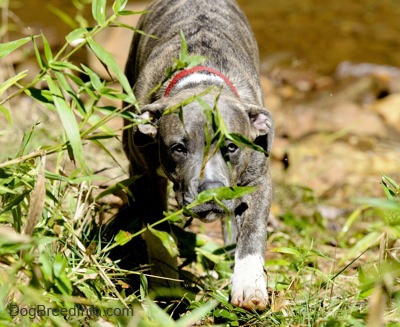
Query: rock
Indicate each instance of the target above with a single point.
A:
(296, 122)
(348, 69)
(302, 80)
(389, 109)
(346, 117)
(394, 85)
(353, 119)
(330, 212)
(336, 170)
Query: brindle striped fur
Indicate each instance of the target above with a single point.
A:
(219, 31)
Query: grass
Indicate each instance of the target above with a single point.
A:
(55, 266)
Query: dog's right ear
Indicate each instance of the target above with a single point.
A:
(146, 132)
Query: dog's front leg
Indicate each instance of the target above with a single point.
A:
(164, 267)
(150, 195)
(249, 289)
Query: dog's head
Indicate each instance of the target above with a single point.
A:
(184, 135)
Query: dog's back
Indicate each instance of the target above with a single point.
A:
(217, 30)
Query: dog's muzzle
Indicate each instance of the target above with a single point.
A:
(209, 211)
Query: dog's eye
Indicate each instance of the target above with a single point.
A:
(178, 148)
(232, 147)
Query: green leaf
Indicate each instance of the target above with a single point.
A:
(14, 203)
(47, 50)
(370, 240)
(77, 36)
(6, 113)
(167, 241)
(86, 289)
(130, 12)
(119, 5)
(99, 8)
(390, 187)
(223, 313)
(11, 81)
(122, 185)
(224, 193)
(59, 265)
(63, 82)
(94, 78)
(391, 182)
(63, 65)
(184, 49)
(122, 237)
(39, 58)
(239, 140)
(8, 47)
(108, 60)
(43, 96)
(156, 316)
(64, 284)
(197, 314)
(69, 122)
(25, 145)
(6, 190)
(132, 28)
(215, 258)
(287, 250)
(46, 267)
(194, 61)
(144, 286)
(55, 177)
(221, 296)
(356, 214)
(383, 203)
(277, 262)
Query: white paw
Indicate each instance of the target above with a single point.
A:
(249, 289)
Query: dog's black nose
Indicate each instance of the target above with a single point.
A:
(209, 185)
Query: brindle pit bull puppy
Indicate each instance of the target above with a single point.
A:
(174, 149)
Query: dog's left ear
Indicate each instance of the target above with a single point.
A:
(263, 124)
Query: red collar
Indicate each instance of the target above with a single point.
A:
(187, 72)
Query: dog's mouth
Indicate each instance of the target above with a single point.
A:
(208, 212)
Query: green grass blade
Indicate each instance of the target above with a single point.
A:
(167, 241)
(197, 314)
(67, 19)
(156, 317)
(11, 81)
(361, 246)
(6, 113)
(47, 50)
(351, 220)
(26, 142)
(69, 122)
(113, 189)
(108, 60)
(39, 58)
(8, 47)
(94, 78)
